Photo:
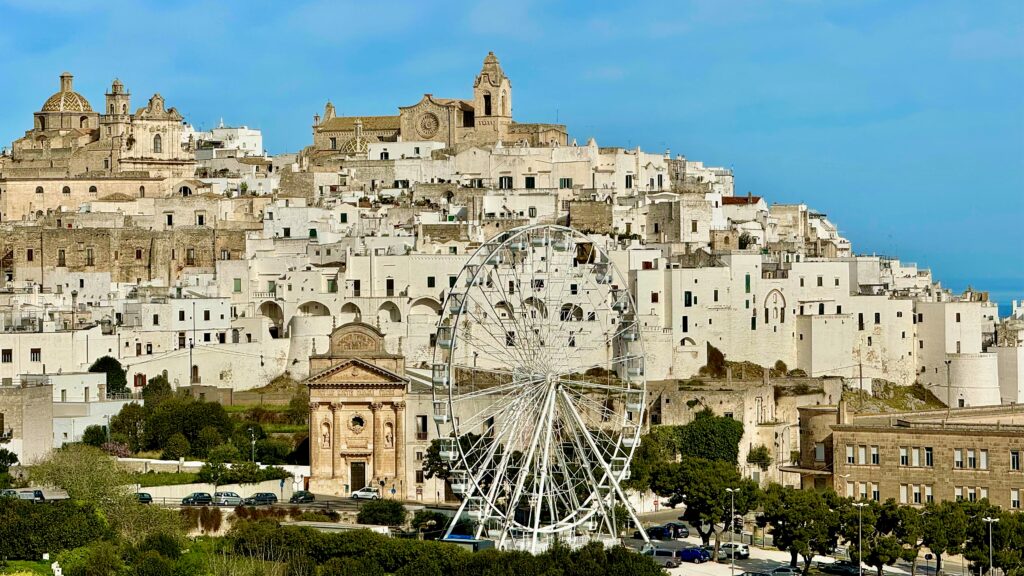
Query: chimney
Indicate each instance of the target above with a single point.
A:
(843, 415)
(66, 82)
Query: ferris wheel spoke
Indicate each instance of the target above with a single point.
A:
(498, 348)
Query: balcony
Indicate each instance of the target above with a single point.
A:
(264, 295)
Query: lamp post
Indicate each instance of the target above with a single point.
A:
(252, 437)
(191, 345)
(949, 387)
(860, 536)
(990, 521)
(732, 528)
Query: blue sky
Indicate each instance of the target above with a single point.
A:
(903, 121)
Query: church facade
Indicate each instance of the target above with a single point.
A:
(484, 119)
(75, 154)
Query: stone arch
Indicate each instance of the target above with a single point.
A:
(687, 342)
(570, 313)
(314, 308)
(425, 307)
(504, 310)
(388, 312)
(272, 311)
(66, 190)
(185, 191)
(351, 313)
(775, 307)
(534, 308)
(93, 190)
(83, 122)
(39, 189)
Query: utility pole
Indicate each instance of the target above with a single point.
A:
(252, 437)
(990, 521)
(732, 529)
(860, 536)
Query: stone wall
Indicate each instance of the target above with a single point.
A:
(28, 413)
(590, 216)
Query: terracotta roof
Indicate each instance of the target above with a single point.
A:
(740, 200)
(347, 123)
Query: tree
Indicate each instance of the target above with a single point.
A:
(943, 529)
(225, 453)
(28, 530)
(701, 485)
(208, 438)
(801, 522)
(382, 512)
(711, 437)
(431, 524)
(117, 382)
(156, 390)
(131, 423)
(7, 459)
(94, 435)
(177, 446)
(760, 456)
(886, 532)
(298, 407)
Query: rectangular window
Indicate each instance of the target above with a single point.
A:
(972, 496)
(972, 460)
(903, 456)
(7, 356)
(156, 319)
(1014, 498)
(89, 258)
(849, 489)
(565, 183)
(686, 324)
(237, 285)
(693, 226)
(819, 452)
(715, 298)
(929, 459)
(206, 315)
(287, 233)
(874, 455)
(629, 180)
(862, 454)
(915, 456)
(849, 454)
(747, 283)
(863, 490)
(419, 476)
(190, 257)
(61, 261)
(343, 218)
(903, 493)
(332, 285)
(225, 254)
(928, 497)
(687, 299)
(170, 219)
(983, 459)
(35, 355)
(181, 315)
(820, 281)
(530, 183)
(917, 494)
(451, 281)
(654, 297)
(958, 458)
(431, 281)
(878, 317)
(510, 338)
(958, 493)
(1015, 460)
(874, 492)
(505, 182)
(532, 211)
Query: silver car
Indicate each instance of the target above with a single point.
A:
(227, 499)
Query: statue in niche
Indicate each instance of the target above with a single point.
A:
(389, 435)
(325, 434)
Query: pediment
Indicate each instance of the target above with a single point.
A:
(355, 372)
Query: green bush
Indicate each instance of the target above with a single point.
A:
(117, 381)
(94, 435)
(165, 545)
(177, 446)
(382, 512)
(240, 473)
(28, 530)
(98, 559)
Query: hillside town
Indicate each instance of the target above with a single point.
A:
(197, 257)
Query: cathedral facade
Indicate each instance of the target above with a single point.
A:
(75, 154)
(484, 119)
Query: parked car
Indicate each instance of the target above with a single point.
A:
(840, 567)
(261, 499)
(734, 549)
(755, 574)
(33, 495)
(302, 497)
(367, 493)
(8, 493)
(197, 499)
(662, 556)
(144, 497)
(679, 530)
(695, 555)
(786, 570)
(227, 499)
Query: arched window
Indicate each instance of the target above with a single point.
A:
(42, 123)
(504, 104)
(111, 109)
(124, 108)
(39, 189)
(83, 122)
(142, 191)
(487, 103)
(66, 190)
(93, 190)
(157, 144)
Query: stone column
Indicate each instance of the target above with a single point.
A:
(378, 442)
(314, 427)
(336, 411)
(400, 449)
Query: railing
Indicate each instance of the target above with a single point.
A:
(269, 295)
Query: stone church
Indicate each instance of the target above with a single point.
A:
(484, 119)
(357, 413)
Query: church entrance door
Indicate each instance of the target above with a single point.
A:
(358, 475)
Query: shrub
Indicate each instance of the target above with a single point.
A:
(165, 545)
(761, 456)
(177, 446)
(151, 563)
(382, 512)
(28, 530)
(208, 438)
(94, 435)
(116, 380)
(116, 449)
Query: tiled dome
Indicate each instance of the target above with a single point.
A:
(67, 102)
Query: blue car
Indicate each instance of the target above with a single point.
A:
(695, 555)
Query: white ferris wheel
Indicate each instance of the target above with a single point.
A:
(538, 390)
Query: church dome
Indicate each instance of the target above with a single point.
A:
(357, 145)
(66, 100)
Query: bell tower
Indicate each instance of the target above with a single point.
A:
(116, 111)
(492, 98)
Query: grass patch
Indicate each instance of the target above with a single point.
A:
(282, 428)
(240, 408)
(892, 398)
(25, 567)
(165, 478)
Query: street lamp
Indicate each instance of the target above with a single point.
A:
(732, 528)
(252, 437)
(990, 521)
(860, 536)
(948, 388)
